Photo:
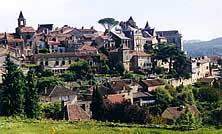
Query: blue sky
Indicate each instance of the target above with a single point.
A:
(195, 19)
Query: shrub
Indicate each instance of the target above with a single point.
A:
(52, 110)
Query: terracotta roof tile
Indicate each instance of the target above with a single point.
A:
(14, 40)
(87, 48)
(53, 43)
(116, 98)
(105, 37)
(213, 58)
(27, 30)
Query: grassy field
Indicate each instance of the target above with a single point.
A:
(12, 126)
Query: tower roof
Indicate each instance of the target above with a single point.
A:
(147, 26)
(21, 15)
(131, 18)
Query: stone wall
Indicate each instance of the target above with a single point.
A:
(176, 83)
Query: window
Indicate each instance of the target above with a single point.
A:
(83, 106)
(57, 62)
(28, 37)
(46, 63)
(63, 62)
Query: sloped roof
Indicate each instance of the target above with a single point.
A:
(140, 54)
(21, 15)
(206, 80)
(14, 40)
(53, 43)
(120, 35)
(147, 26)
(61, 55)
(27, 29)
(168, 33)
(115, 98)
(59, 91)
(141, 94)
(87, 48)
(89, 35)
(45, 26)
(105, 37)
(214, 58)
(119, 85)
(153, 83)
(104, 90)
(75, 112)
(114, 50)
(174, 112)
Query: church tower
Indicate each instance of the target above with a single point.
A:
(21, 20)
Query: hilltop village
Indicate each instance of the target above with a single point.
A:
(127, 64)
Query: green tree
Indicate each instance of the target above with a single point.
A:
(47, 73)
(48, 82)
(209, 94)
(32, 104)
(187, 120)
(108, 23)
(69, 76)
(105, 69)
(120, 68)
(219, 61)
(80, 68)
(97, 106)
(162, 101)
(12, 96)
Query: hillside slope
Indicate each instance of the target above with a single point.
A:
(204, 48)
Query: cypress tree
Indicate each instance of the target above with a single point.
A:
(97, 106)
(32, 105)
(12, 96)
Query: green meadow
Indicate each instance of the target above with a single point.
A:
(19, 126)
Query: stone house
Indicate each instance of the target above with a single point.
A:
(152, 84)
(200, 68)
(209, 81)
(105, 41)
(124, 87)
(59, 93)
(75, 112)
(120, 39)
(20, 43)
(85, 101)
(172, 36)
(172, 113)
(141, 61)
(114, 99)
(43, 27)
(86, 49)
(143, 98)
(56, 47)
(59, 62)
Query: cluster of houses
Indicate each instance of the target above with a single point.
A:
(57, 48)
